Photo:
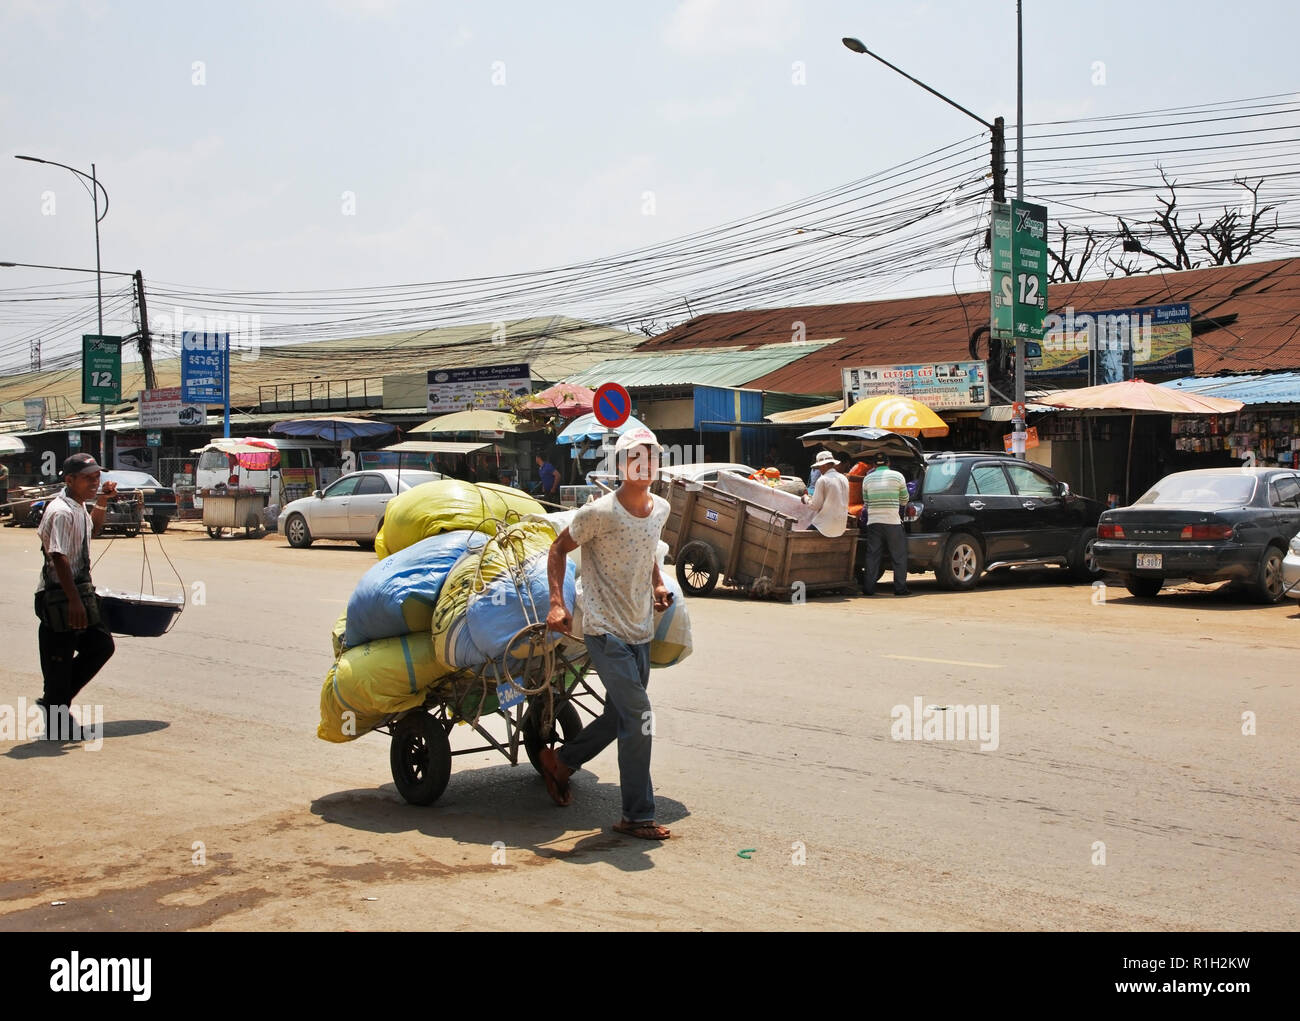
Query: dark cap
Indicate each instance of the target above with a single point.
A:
(882, 459)
(79, 463)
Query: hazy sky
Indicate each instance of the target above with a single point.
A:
(484, 138)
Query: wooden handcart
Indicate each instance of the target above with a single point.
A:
(715, 536)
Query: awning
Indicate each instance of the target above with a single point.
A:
(1002, 412)
(10, 444)
(430, 447)
(821, 413)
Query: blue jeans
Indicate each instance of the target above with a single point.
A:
(625, 672)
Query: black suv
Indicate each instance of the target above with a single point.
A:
(977, 511)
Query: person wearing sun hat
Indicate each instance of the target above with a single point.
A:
(830, 498)
(622, 590)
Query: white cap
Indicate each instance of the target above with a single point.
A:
(635, 438)
(824, 458)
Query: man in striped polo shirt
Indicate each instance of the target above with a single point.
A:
(884, 492)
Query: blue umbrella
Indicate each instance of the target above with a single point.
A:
(332, 428)
(585, 427)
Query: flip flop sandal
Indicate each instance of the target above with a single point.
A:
(558, 789)
(644, 830)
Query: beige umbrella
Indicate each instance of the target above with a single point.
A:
(473, 422)
(1136, 396)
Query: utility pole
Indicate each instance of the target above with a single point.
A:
(36, 354)
(1020, 196)
(146, 343)
(999, 158)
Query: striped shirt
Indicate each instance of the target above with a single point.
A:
(884, 491)
(65, 528)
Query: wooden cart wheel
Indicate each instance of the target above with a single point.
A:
(420, 758)
(697, 568)
(566, 716)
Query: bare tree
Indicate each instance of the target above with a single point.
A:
(1067, 266)
(1173, 246)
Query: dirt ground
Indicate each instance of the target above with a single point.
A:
(1122, 792)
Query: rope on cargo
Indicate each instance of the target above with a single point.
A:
(509, 539)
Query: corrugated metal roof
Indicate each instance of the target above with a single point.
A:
(1259, 388)
(706, 368)
(554, 346)
(1245, 317)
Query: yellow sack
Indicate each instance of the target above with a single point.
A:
(338, 724)
(464, 640)
(432, 508)
(387, 676)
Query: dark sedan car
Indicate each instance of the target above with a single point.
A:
(159, 501)
(977, 511)
(1216, 524)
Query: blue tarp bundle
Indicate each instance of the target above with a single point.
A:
(398, 594)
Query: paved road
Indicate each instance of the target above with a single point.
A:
(1119, 724)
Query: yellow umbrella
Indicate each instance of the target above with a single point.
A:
(897, 414)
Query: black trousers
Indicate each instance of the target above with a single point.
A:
(69, 659)
(879, 536)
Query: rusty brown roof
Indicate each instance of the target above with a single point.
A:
(1245, 317)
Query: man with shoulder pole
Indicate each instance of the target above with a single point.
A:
(622, 590)
(74, 643)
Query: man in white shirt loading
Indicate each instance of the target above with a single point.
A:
(621, 591)
(884, 491)
(830, 498)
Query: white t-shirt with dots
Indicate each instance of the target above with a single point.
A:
(618, 560)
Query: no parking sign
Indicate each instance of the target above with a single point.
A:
(612, 406)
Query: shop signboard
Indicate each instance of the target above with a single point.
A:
(940, 386)
(460, 389)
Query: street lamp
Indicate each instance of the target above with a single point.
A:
(998, 158)
(95, 189)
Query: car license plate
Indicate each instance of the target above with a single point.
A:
(1150, 561)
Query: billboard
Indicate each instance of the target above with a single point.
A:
(458, 389)
(204, 358)
(946, 386)
(164, 409)
(1117, 344)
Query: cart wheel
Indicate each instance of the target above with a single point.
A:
(697, 568)
(158, 523)
(420, 758)
(214, 533)
(567, 718)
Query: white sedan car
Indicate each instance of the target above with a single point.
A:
(350, 508)
(1291, 569)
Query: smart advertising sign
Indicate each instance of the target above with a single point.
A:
(101, 369)
(1142, 341)
(1019, 276)
(941, 386)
